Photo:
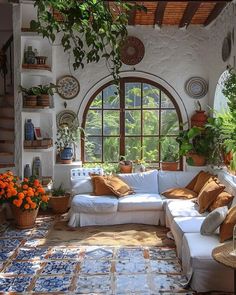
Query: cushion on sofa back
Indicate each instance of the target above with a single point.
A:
(145, 182)
(172, 179)
(81, 180)
(229, 181)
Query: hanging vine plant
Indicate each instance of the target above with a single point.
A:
(91, 29)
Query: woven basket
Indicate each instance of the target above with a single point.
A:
(24, 219)
(59, 204)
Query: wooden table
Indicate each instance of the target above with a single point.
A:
(222, 254)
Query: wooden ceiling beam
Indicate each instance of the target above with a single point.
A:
(159, 13)
(215, 12)
(189, 12)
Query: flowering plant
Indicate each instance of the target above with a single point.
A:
(27, 194)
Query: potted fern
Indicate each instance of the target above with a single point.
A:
(59, 200)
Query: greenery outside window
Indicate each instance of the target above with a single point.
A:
(141, 121)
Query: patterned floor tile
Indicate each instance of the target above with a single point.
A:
(59, 267)
(162, 253)
(95, 266)
(131, 283)
(31, 254)
(130, 253)
(165, 266)
(33, 242)
(64, 253)
(131, 266)
(14, 233)
(39, 233)
(101, 284)
(22, 268)
(52, 284)
(6, 253)
(168, 282)
(98, 253)
(14, 284)
(4, 243)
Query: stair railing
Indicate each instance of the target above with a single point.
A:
(5, 66)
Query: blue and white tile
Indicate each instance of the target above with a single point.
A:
(64, 253)
(130, 253)
(22, 268)
(14, 233)
(6, 253)
(14, 284)
(31, 254)
(59, 267)
(101, 284)
(165, 266)
(4, 226)
(52, 284)
(162, 253)
(39, 233)
(33, 242)
(131, 283)
(9, 243)
(171, 283)
(98, 253)
(95, 266)
(131, 266)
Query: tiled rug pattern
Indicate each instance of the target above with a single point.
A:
(26, 267)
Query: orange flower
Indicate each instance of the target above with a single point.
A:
(29, 200)
(27, 206)
(30, 193)
(44, 198)
(41, 190)
(13, 191)
(25, 179)
(25, 186)
(21, 195)
(33, 205)
(36, 182)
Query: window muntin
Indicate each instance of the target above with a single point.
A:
(132, 122)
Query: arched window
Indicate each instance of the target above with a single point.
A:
(220, 101)
(141, 121)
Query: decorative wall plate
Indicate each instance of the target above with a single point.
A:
(68, 87)
(132, 52)
(226, 48)
(196, 87)
(68, 118)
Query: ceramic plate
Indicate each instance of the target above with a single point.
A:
(68, 87)
(68, 118)
(196, 87)
(132, 52)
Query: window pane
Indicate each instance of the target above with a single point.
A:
(111, 98)
(150, 122)
(111, 122)
(133, 122)
(132, 95)
(150, 149)
(169, 150)
(111, 149)
(151, 96)
(169, 122)
(93, 149)
(133, 148)
(165, 101)
(94, 123)
(97, 102)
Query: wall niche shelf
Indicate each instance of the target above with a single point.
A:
(36, 67)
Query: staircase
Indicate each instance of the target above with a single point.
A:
(7, 122)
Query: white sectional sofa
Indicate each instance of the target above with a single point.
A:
(148, 206)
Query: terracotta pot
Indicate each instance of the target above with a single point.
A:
(59, 204)
(169, 166)
(197, 160)
(125, 168)
(228, 157)
(199, 119)
(24, 218)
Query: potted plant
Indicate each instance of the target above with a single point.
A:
(170, 154)
(45, 91)
(59, 200)
(30, 95)
(199, 119)
(195, 145)
(67, 139)
(125, 166)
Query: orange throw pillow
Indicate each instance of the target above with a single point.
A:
(118, 186)
(179, 193)
(208, 194)
(226, 228)
(223, 199)
(191, 184)
(99, 186)
(202, 178)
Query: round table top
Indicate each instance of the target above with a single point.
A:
(223, 254)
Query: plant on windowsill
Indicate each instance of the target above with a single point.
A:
(125, 166)
(170, 155)
(59, 200)
(67, 139)
(90, 29)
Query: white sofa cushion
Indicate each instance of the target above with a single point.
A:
(145, 182)
(181, 208)
(206, 274)
(140, 202)
(182, 225)
(171, 179)
(94, 204)
(81, 186)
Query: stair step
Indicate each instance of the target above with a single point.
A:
(7, 146)
(7, 165)
(7, 111)
(6, 122)
(7, 100)
(6, 129)
(6, 154)
(7, 134)
(6, 157)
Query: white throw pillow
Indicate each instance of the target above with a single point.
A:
(213, 220)
(81, 186)
(144, 182)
